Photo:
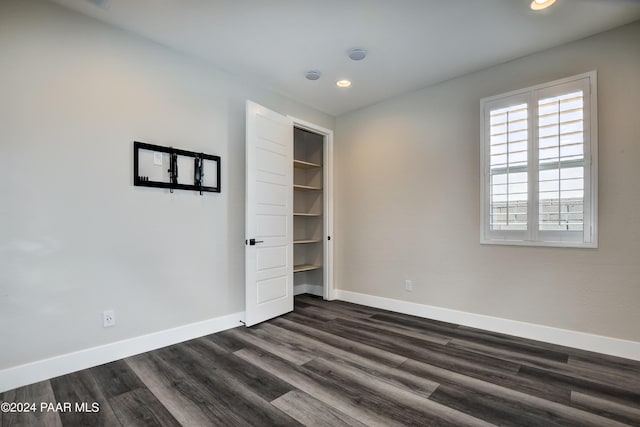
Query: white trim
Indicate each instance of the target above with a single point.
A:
(40, 370)
(593, 185)
(588, 74)
(597, 343)
(327, 173)
(540, 244)
(329, 284)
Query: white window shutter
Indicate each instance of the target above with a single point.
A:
(539, 163)
(561, 165)
(508, 164)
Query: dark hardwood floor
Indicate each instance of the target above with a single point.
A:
(340, 364)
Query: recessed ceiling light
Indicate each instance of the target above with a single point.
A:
(357, 54)
(312, 75)
(343, 83)
(541, 4)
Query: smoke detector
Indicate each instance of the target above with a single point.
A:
(100, 3)
(312, 75)
(357, 54)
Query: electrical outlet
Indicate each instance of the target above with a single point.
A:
(408, 285)
(109, 318)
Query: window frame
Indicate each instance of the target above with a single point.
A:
(533, 236)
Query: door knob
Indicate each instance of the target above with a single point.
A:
(252, 242)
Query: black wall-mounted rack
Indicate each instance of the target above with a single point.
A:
(172, 183)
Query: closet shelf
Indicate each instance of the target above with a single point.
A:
(306, 188)
(305, 267)
(300, 164)
(301, 242)
(306, 214)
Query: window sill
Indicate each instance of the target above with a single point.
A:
(575, 245)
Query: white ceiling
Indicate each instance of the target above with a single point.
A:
(410, 43)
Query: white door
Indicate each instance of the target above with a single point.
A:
(269, 215)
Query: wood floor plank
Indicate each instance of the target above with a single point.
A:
(37, 394)
(293, 323)
(395, 403)
(417, 322)
(226, 340)
(492, 408)
(188, 402)
(617, 367)
(115, 378)
(509, 379)
(195, 398)
(312, 412)
(584, 385)
(524, 345)
(508, 342)
(472, 335)
(304, 319)
(265, 385)
(611, 362)
(531, 386)
(629, 382)
(607, 408)
(390, 334)
(140, 407)
(315, 312)
(392, 375)
(376, 325)
(559, 411)
(314, 315)
(450, 358)
(331, 311)
(81, 388)
(361, 309)
(318, 387)
(242, 402)
(287, 352)
(542, 357)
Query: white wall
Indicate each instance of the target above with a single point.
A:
(407, 200)
(76, 237)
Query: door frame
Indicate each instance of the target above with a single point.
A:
(327, 176)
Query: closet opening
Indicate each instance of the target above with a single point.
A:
(311, 212)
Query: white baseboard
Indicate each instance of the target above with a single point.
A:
(308, 289)
(40, 370)
(597, 343)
